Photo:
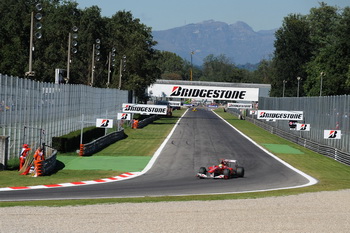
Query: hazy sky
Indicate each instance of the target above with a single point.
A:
(166, 14)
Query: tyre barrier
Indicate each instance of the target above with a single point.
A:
(100, 143)
(147, 121)
(49, 164)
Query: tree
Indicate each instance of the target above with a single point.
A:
(220, 69)
(292, 52)
(330, 33)
(343, 33)
(135, 41)
(171, 65)
(121, 31)
(322, 23)
(264, 72)
(51, 49)
(14, 36)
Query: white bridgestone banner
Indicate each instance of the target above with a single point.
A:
(104, 123)
(124, 116)
(175, 103)
(280, 115)
(332, 134)
(303, 127)
(145, 109)
(204, 92)
(239, 105)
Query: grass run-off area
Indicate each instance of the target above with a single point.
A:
(331, 175)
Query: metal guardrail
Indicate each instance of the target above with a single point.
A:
(328, 151)
(321, 112)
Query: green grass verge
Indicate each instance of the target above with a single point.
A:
(139, 143)
(331, 175)
(112, 163)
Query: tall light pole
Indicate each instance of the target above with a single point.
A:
(191, 71)
(92, 65)
(95, 51)
(122, 69)
(321, 74)
(298, 78)
(284, 87)
(110, 55)
(71, 43)
(38, 35)
(30, 72)
(109, 69)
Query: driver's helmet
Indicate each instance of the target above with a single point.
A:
(220, 165)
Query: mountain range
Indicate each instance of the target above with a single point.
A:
(238, 42)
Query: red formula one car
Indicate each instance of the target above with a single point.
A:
(227, 169)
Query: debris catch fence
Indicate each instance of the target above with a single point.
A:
(33, 112)
(322, 113)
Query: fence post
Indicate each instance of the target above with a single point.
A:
(4, 151)
(336, 154)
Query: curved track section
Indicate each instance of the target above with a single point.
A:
(200, 139)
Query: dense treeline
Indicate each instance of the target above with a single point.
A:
(214, 69)
(121, 32)
(314, 47)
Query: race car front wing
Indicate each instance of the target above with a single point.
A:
(210, 176)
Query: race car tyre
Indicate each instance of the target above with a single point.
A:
(240, 172)
(202, 170)
(227, 174)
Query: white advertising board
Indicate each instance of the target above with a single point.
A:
(253, 112)
(332, 134)
(280, 115)
(175, 103)
(239, 105)
(145, 109)
(124, 116)
(104, 123)
(303, 127)
(204, 92)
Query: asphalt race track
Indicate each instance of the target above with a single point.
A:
(200, 139)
